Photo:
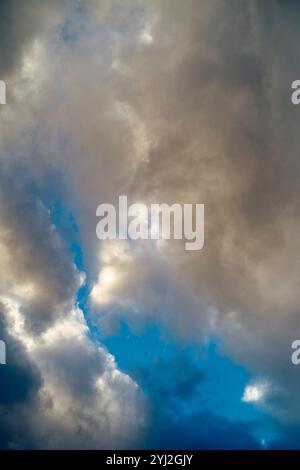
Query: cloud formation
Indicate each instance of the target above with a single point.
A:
(59, 389)
(173, 102)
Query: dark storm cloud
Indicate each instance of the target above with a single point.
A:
(20, 379)
(20, 23)
(20, 383)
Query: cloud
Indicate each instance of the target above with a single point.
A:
(32, 20)
(209, 109)
(59, 389)
(199, 113)
(254, 393)
(69, 393)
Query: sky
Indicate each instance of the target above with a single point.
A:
(135, 344)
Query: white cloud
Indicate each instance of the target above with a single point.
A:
(82, 399)
(255, 393)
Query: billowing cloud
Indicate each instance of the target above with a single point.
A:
(79, 398)
(58, 389)
(173, 102)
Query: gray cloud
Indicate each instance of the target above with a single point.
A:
(196, 110)
(59, 389)
(49, 273)
(21, 23)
